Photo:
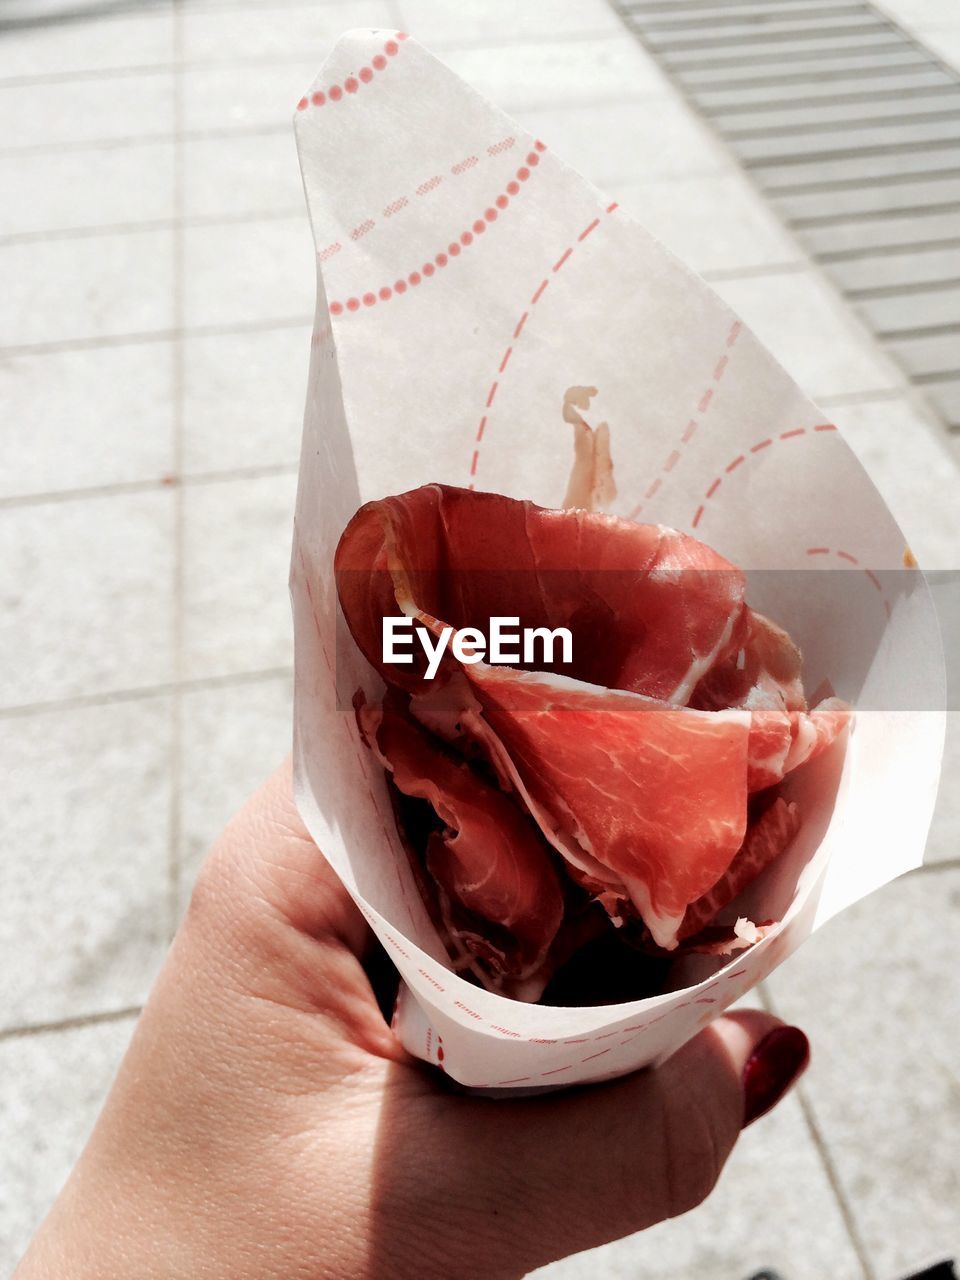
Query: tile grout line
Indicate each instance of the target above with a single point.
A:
(278, 128)
(178, 400)
(79, 701)
(70, 1024)
(155, 335)
(826, 1160)
(119, 488)
(245, 61)
(144, 225)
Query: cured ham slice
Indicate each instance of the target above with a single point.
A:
(623, 772)
(761, 668)
(488, 859)
(765, 840)
(656, 793)
(761, 672)
(650, 609)
(813, 732)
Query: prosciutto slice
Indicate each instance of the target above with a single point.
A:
(488, 859)
(650, 609)
(655, 793)
(627, 770)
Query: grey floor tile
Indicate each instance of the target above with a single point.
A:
(237, 552)
(927, 355)
(921, 309)
(436, 22)
(233, 738)
(655, 137)
(86, 808)
(607, 66)
(876, 990)
(844, 142)
(240, 96)
(861, 169)
(760, 1215)
(88, 596)
(743, 32)
(842, 112)
(51, 1090)
(91, 44)
(857, 235)
(243, 399)
(893, 269)
(712, 223)
(90, 287)
(242, 174)
(254, 30)
(945, 395)
(83, 418)
(856, 63)
(807, 207)
(918, 77)
(810, 332)
(91, 188)
(770, 46)
(94, 110)
(250, 272)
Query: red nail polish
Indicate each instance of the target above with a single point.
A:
(776, 1062)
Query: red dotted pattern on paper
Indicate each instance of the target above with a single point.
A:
(759, 447)
(335, 92)
(431, 979)
(431, 184)
(519, 327)
(631, 1032)
(453, 250)
(690, 430)
(396, 946)
(852, 560)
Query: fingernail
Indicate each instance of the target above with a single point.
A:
(777, 1061)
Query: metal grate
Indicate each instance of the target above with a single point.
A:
(852, 130)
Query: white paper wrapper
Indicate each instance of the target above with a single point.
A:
(467, 277)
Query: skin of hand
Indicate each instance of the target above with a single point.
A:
(266, 1123)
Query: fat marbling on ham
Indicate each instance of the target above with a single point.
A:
(633, 786)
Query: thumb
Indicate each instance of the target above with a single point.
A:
(605, 1162)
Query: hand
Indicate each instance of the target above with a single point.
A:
(265, 1122)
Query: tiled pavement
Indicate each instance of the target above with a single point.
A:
(811, 99)
(155, 322)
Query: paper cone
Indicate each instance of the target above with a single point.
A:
(466, 278)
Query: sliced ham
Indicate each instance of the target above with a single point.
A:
(655, 793)
(650, 609)
(489, 860)
(630, 767)
(766, 839)
(760, 669)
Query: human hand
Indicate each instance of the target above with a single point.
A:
(266, 1123)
